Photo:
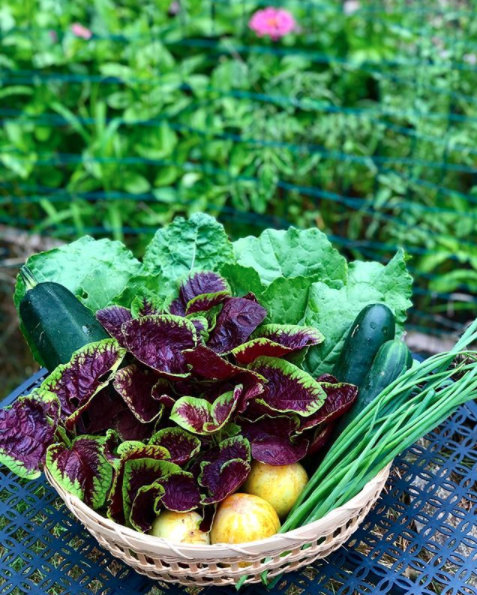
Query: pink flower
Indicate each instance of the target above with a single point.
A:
(274, 22)
(81, 31)
(53, 35)
(351, 6)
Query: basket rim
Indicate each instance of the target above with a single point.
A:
(277, 540)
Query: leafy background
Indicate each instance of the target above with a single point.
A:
(362, 123)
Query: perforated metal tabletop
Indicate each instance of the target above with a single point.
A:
(420, 538)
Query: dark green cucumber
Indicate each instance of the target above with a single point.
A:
(55, 321)
(373, 326)
(392, 360)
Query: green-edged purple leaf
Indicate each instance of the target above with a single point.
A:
(273, 440)
(277, 340)
(181, 493)
(248, 352)
(339, 398)
(289, 335)
(139, 473)
(210, 365)
(320, 437)
(181, 445)
(82, 469)
(289, 389)
(200, 292)
(148, 459)
(235, 323)
(201, 417)
(112, 319)
(108, 410)
(201, 326)
(146, 305)
(146, 506)
(161, 392)
(224, 481)
(217, 474)
(203, 303)
(135, 385)
(158, 342)
(88, 371)
(27, 429)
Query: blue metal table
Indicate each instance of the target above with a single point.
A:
(420, 538)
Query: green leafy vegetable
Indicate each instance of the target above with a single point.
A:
(333, 310)
(292, 253)
(184, 246)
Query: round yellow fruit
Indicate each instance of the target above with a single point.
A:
(243, 517)
(279, 485)
(180, 527)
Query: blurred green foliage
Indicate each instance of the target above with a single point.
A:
(362, 122)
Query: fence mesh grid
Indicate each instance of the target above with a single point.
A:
(117, 116)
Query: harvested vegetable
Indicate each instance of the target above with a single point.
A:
(280, 485)
(55, 321)
(391, 361)
(374, 326)
(219, 357)
(180, 527)
(244, 517)
(409, 408)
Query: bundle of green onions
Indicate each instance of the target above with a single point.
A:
(409, 408)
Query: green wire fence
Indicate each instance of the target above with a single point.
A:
(118, 116)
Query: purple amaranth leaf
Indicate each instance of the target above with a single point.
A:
(146, 305)
(158, 342)
(289, 389)
(146, 506)
(135, 385)
(139, 473)
(320, 437)
(340, 397)
(139, 466)
(277, 340)
(181, 445)
(181, 493)
(201, 417)
(273, 440)
(224, 481)
(210, 365)
(201, 326)
(224, 468)
(112, 318)
(108, 410)
(27, 429)
(88, 371)
(200, 292)
(235, 323)
(83, 469)
(162, 392)
(208, 517)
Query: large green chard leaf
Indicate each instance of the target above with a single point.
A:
(286, 299)
(292, 253)
(243, 279)
(199, 243)
(333, 311)
(96, 271)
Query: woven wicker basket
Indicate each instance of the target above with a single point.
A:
(163, 560)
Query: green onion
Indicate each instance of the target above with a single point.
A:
(409, 408)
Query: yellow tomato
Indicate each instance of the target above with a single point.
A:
(243, 517)
(180, 527)
(280, 485)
